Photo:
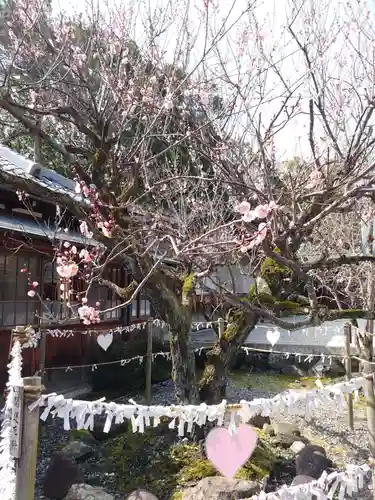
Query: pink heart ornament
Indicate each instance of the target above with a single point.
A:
(228, 452)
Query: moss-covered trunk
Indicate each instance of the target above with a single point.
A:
(172, 303)
(212, 386)
(183, 363)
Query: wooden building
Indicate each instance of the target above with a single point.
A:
(28, 235)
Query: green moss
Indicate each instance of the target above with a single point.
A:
(261, 298)
(187, 288)
(274, 383)
(78, 435)
(154, 461)
(238, 319)
(273, 273)
(188, 283)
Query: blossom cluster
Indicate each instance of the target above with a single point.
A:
(31, 284)
(250, 215)
(106, 225)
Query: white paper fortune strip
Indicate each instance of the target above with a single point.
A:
(8, 440)
(292, 402)
(344, 482)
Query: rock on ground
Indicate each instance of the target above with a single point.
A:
(312, 461)
(76, 450)
(286, 428)
(259, 421)
(87, 492)
(297, 446)
(221, 488)
(302, 479)
(61, 474)
(141, 495)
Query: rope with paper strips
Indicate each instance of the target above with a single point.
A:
(346, 482)
(185, 416)
(7, 462)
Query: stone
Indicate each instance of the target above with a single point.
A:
(287, 440)
(77, 450)
(312, 461)
(221, 488)
(84, 436)
(94, 480)
(87, 492)
(283, 440)
(268, 429)
(316, 449)
(61, 474)
(328, 368)
(259, 421)
(302, 479)
(99, 434)
(286, 428)
(141, 495)
(297, 446)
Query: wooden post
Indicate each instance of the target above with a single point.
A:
(221, 327)
(42, 357)
(149, 361)
(26, 465)
(348, 369)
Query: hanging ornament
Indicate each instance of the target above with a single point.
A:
(228, 451)
(273, 336)
(105, 340)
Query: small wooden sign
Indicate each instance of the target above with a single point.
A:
(16, 421)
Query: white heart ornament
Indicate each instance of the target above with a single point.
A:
(273, 336)
(105, 340)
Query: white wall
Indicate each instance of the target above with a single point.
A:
(329, 335)
(226, 277)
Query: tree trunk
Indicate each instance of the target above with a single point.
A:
(183, 363)
(173, 305)
(212, 386)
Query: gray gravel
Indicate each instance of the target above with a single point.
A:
(329, 428)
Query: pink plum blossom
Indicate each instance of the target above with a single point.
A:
(31, 293)
(85, 255)
(89, 315)
(85, 230)
(243, 208)
(261, 211)
(67, 270)
(249, 216)
(258, 237)
(35, 284)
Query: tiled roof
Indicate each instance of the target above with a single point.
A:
(14, 164)
(34, 228)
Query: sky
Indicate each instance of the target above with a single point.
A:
(330, 29)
